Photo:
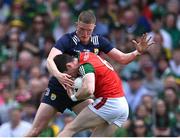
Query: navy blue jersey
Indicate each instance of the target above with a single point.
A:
(70, 44)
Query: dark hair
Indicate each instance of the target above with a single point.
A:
(87, 17)
(61, 61)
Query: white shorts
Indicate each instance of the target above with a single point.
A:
(112, 110)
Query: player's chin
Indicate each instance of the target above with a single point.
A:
(84, 39)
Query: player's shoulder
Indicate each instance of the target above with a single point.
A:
(67, 36)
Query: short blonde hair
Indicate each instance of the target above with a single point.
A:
(87, 17)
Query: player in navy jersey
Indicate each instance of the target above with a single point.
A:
(55, 97)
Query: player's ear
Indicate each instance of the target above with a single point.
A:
(68, 66)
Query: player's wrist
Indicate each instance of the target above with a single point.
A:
(57, 74)
(136, 53)
(73, 98)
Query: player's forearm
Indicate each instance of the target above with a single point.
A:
(88, 87)
(129, 57)
(83, 93)
(52, 67)
(122, 58)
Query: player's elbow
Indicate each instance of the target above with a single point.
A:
(90, 91)
(48, 61)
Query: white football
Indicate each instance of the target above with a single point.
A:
(77, 84)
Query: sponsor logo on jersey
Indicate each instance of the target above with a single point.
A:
(47, 90)
(53, 96)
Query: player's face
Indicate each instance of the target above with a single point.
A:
(73, 67)
(84, 31)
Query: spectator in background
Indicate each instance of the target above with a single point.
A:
(16, 127)
(147, 101)
(142, 113)
(103, 21)
(9, 103)
(170, 27)
(3, 48)
(151, 82)
(158, 51)
(21, 92)
(132, 24)
(173, 6)
(171, 100)
(175, 130)
(36, 89)
(62, 7)
(17, 10)
(28, 111)
(24, 65)
(14, 44)
(64, 26)
(139, 129)
(170, 82)
(162, 121)
(49, 42)
(135, 91)
(156, 25)
(17, 26)
(173, 71)
(4, 10)
(78, 6)
(162, 65)
(158, 7)
(34, 41)
(117, 36)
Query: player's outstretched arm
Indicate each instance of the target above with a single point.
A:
(125, 58)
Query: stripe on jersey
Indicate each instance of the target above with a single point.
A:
(101, 103)
(82, 71)
(75, 39)
(95, 40)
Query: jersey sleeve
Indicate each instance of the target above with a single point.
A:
(85, 69)
(63, 43)
(105, 45)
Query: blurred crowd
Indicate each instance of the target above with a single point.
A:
(30, 28)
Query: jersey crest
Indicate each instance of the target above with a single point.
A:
(96, 51)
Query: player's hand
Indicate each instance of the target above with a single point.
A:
(65, 80)
(143, 43)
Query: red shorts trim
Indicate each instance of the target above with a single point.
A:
(101, 103)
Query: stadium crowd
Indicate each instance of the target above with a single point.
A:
(30, 28)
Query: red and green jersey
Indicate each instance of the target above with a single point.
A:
(107, 81)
